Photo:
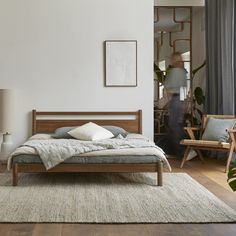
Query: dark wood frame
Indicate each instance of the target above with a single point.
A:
(49, 125)
(119, 41)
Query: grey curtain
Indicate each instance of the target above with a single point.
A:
(221, 56)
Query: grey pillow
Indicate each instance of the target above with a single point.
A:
(63, 132)
(216, 129)
(115, 130)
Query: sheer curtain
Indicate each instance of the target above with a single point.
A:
(221, 56)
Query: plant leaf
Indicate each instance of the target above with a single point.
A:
(232, 177)
(159, 73)
(198, 94)
(198, 68)
(232, 184)
(232, 173)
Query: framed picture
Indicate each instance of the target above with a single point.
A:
(120, 63)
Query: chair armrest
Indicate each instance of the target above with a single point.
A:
(192, 128)
(190, 131)
(231, 130)
(232, 135)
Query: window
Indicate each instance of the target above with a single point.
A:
(162, 66)
(187, 66)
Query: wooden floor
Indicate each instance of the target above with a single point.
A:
(211, 175)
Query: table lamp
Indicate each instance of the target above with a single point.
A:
(6, 120)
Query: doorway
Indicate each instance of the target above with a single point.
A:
(177, 29)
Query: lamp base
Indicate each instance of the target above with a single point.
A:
(6, 146)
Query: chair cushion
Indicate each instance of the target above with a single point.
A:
(216, 129)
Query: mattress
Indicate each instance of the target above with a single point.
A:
(122, 159)
(42, 149)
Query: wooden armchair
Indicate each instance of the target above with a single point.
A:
(198, 144)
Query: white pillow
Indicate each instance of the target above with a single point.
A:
(90, 132)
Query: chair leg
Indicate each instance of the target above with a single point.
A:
(188, 149)
(200, 155)
(230, 155)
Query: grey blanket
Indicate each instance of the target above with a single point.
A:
(55, 151)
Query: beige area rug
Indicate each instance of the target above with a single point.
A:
(109, 198)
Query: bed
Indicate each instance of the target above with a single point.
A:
(137, 160)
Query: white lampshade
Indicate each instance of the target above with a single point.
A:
(6, 110)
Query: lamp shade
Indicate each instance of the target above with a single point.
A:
(6, 110)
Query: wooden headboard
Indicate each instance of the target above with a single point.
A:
(47, 122)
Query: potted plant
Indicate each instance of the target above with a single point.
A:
(232, 177)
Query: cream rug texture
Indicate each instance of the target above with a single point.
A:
(109, 198)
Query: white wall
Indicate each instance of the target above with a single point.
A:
(51, 52)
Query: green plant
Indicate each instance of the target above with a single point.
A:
(198, 68)
(232, 177)
(160, 75)
(198, 98)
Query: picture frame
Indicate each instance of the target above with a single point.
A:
(120, 63)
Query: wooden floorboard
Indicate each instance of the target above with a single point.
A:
(211, 175)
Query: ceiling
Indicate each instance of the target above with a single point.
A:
(166, 22)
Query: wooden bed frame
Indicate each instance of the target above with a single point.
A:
(43, 122)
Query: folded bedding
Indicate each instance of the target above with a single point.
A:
(134, 148)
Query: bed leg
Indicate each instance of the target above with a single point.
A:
(160, 174)
(15, 175)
